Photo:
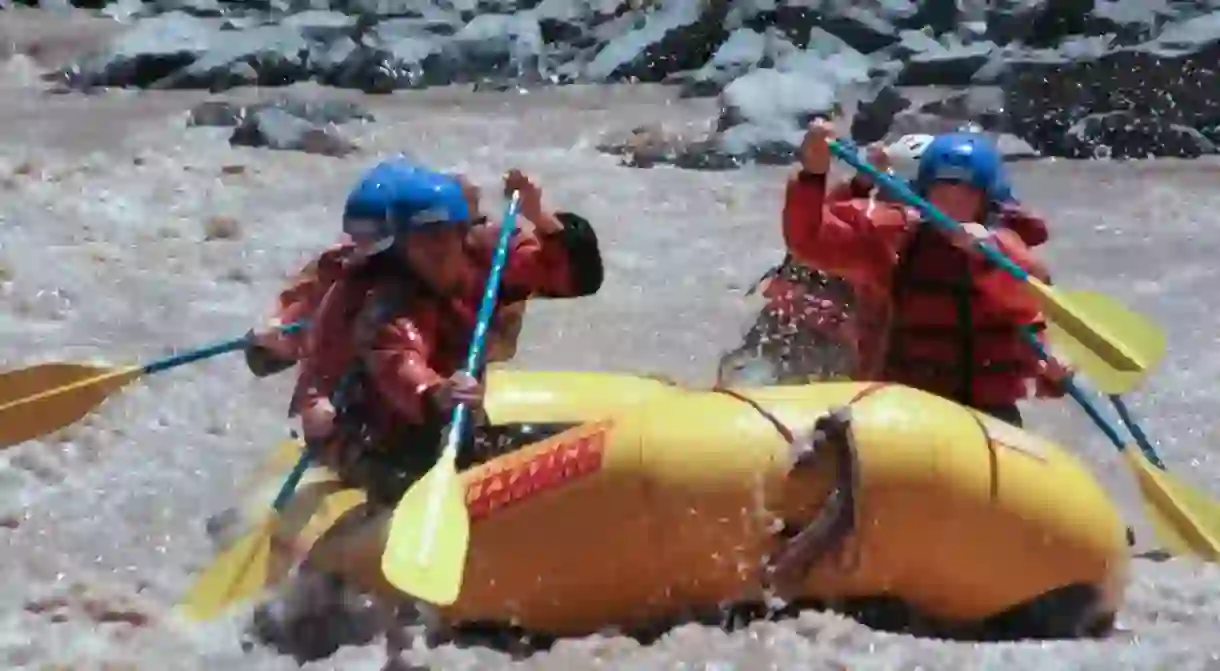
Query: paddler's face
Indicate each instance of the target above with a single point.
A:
(958, 200)
(438, 257)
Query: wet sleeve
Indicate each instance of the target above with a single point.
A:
(564, 264)
(1001, 286)
(297, 302)
(398, 367)
(841, 238)
(263, 362)
(1031, 228)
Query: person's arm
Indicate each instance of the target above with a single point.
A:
(1007, 291)
(847, 239)
(270, 350)
(397, 364)
(560, 259)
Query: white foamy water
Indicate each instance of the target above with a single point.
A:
(104, 203)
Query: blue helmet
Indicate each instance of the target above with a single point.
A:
(965, 157)
(397, 196)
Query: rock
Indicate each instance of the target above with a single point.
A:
(875, 113)
(154, 49)
(1127, 134)
(394, 8)
(827, 57)
(1169, 82)
(209, 8)
(647, 146)
(124, 10)
(216, 113)
(866, 26)
(1037, 23)
(276, 129)
(980, 105)
(1131, 21)
(1013, 148)
(941, 64)
(387, 60)
(498, 45)
(915, 122)
(221, 113)
(763, 114)
(262, 56)
(938, 16)
(678, 36)
(569, 20)
(743, 51)
(865, 30)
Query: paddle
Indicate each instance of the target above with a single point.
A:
(1106, 378)
(1185, 520)
(45, 398)
(241, 571)
(1092, 324)
(425, 555)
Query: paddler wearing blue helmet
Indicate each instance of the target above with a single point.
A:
(955, 321)
(365, 212)
(381, 370)
(271, 350)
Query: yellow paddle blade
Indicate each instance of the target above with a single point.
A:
(1103, 337)
(425, 555)
(262, 558)
(282, 459)
(43, 399)
(1185, 520)
(241, 572)
(1139, 333)
(18, 384)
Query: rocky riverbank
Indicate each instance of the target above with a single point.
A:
(1069, 78)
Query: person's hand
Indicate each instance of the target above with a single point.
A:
(1051, 379)
(318, 421)
(815, 152)
(971, 233)
(459, 388)
(531, 195)
(270, 336)
(878, 157)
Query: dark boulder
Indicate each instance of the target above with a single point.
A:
(1169, 82)
(274, 128)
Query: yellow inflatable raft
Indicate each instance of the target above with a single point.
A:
(649, 501)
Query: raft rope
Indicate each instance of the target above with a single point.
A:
(836, 520)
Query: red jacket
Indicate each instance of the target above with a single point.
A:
(401, 339)
(301, 298)
(955, 319)
(792, 289)
(299, 301)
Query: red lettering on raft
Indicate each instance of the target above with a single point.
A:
(564, 458)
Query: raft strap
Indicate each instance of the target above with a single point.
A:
(836, 519)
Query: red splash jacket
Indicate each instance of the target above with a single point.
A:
(399, 339)
(955, 319)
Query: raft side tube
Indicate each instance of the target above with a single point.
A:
(959, 514)
(671, 504)
(515, 396)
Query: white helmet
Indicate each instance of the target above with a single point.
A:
(905, 153)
